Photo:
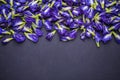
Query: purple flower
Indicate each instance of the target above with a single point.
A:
(65, 14)
(46, 10)
(22, 1)
(6, 40)
(48, 25)
(117, 37)
(72, 34)
(105, 30)
(19, 37)
(107, 38)
(50, 35)
(38, 32)
(61, 30)
(39, 24)
(33, 6)
(64, 38)
(3, 31)
(58, 4)
(82, 36)
(115, 27)
(88, 34)
(97, 38)
(32, 36)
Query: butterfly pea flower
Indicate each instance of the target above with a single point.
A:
(60, 29)
(66, 8)
(67, 2)
(98, 26)
(88, 34)
(105, 30)
(97, 38)
(115, 20)
(17, 22)
(3, 31)
(82, 36)
(89, 2)
(117, 37)
(78, 21)
(115, 27)
(27, 29)
(63, 38)
(102, 3)
(20, 9)
(18, 37)
(76, 11)
(94, 4)
(90, 13)
(1, 18)
(5, 13)
(110, 3)
(46, 10)
(91, 30)
(84, 8)
(48, 25)
(65, 14)
(74, 25)
(75, 1)
(37, 31)
(29, 20)
(107, 37)
(105, 19)
(69, 21)
(6, 40)
(16, 4)
(72, 34)
(50, 35)
(33, 6)
(22, 1)
(39, 24)
(53, 19)
(28, 13)
(32, 37)
(58, 4)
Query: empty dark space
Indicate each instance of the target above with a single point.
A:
(55, 60)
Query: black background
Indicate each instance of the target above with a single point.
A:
(55, 60)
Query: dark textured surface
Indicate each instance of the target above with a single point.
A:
(74, 60)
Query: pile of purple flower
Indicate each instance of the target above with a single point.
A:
(96, 19)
